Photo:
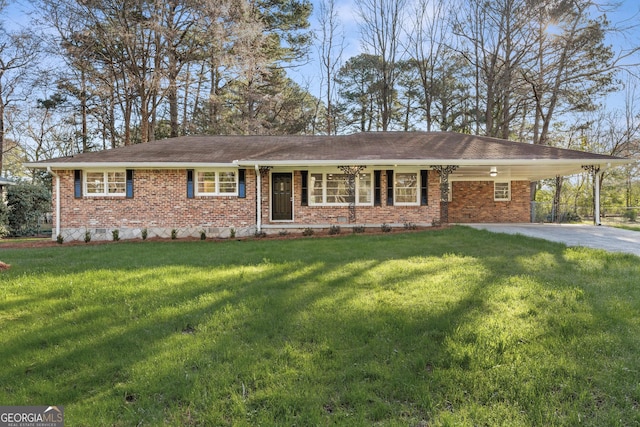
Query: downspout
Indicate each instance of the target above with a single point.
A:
(57, 177)
(258, 199)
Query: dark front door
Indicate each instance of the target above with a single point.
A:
(281, 196)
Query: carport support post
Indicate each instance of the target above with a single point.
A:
(596, 184)
(595, 171)
(444, 172)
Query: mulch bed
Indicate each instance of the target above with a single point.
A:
(45, 242)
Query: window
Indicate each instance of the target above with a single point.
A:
(364, 188)
(227, 182)
(206, 182)
(210, 183)
(337, 188)
(501, 191)
(110, 183)
(405, 188)
(317, 183)
(333, 189)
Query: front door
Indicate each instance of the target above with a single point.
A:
(281, 197)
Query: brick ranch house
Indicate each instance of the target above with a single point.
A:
(248, 184)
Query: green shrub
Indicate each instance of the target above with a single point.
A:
(145, 233)
(334, 229)
(4, 219)
(307, 231)
(631, 215)
(385, 228)
(572, 217)
(358, 229)
(60, 239)
(87, 236)
(116, 235)
(203, 235)
(174, 234)
(26, 203)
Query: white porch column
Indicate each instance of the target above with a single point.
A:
(57, 177)
(595, 170)
(258, 199)
(596, 196)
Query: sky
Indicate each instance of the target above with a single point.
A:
(627, 14)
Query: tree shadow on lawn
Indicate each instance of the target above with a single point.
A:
(432, 328)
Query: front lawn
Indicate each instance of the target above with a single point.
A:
(627, 227)
(449, 327)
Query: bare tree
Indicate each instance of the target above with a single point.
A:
(496, 39)
(573, 65)
(381, 33)
(330, 49)
(427, 41)
(18, 51)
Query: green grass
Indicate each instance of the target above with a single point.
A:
(627, 227)
(13, 240)
(447, 327)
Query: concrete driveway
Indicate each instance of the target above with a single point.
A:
(591, 236)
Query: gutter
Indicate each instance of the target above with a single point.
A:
(57, 177)
(607, 161)
(127, 165)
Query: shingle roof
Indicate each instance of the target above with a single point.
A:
(473, 154)
(423, 146)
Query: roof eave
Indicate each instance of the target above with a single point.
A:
(602, 162)
(436, 162)
(126, 165)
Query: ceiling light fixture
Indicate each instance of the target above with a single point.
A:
(493, 171)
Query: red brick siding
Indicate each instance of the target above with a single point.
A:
(473, 202)
(323, 215)
(160, 204)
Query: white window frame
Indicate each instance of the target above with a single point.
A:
(325, 174)
(498, 192)
(416, 202)
(105, 183)
(216, 191)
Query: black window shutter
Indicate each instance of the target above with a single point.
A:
(304, 196)
(424, 193)
(377, 197)
(189, 183)
(129, 183)
(242, 183)
(389, 187)
(77, 184)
